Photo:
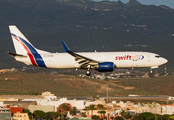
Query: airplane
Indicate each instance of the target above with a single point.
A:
(101, 61)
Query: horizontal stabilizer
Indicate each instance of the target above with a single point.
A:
(16, 55)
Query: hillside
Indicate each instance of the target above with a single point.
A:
(22, 83)
(87, 26)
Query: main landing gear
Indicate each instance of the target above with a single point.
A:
(88, 71)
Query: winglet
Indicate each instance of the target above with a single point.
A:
(65, 47)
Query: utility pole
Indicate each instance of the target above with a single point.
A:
(156, 118)
(107, 104)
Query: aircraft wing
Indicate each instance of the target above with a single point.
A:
(82, 60)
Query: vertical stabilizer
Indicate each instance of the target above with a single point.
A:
(18, 39)
(21, 43)
(24, 48)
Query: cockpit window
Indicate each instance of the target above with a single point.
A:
(157, 56)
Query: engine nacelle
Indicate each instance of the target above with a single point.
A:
(105, 67)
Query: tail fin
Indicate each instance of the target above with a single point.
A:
(21, 43)
(24, 48)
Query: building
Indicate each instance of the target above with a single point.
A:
(21, 116)
(117, 109)
(49, 96)
(152, 108)
(5, 114)
(16, 109)
(79, 104)
(1, 104)
(23, 104)
(9, 99)
(129, 106)
(167, 109)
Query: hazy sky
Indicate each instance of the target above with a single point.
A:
(169, 3)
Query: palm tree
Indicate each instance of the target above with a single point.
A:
(83, 114)
(127, 116)
(104, 112)
(100, 106)
(64, 107)
(118, 118)
(95, 117)
(91, 107)
(122, 112)
(100, 112)
(86, 109)
(73, 111)
(112, 117)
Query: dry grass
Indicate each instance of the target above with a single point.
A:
(18, 83)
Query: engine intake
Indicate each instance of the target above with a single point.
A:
(105, 67)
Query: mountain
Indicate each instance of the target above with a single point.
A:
(87, 26)
(133, 3)
(165, 7)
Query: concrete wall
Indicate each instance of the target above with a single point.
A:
(45, 108)
(23, 104)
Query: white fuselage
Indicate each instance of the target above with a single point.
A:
(101, 61)
(120, 59)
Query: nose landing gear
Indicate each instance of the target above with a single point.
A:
(151, 71)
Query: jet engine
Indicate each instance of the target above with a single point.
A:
(105, 67)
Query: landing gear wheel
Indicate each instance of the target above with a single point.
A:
(88, 72)
(151, 73)
(150, 70)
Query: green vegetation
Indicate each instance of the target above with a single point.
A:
(73, 110)
(95, 117)
(39, 113)
(48, 115)
(124, 115)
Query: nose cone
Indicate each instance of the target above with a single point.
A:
(164, 60)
